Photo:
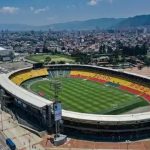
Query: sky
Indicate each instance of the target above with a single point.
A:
(44, 12)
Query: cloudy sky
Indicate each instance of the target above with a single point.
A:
(41, 12)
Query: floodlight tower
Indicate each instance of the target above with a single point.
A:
(56, 88)
(59, 139)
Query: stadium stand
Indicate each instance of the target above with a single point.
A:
(127, 85)
(20, 77)
(58, 73)
(102, 77)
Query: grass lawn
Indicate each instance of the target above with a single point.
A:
(56, 58)
(90, 97)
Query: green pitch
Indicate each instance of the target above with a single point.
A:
(90, 97)
(56, 58)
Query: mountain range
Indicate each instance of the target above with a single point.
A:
(102, 23)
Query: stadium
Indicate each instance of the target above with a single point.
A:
(96, 101)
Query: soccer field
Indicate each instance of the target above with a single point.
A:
(56, 58)
(89, 97)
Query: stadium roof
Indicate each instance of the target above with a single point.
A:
(106, 118)
(23, 94)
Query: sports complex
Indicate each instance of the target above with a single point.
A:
(96, 101)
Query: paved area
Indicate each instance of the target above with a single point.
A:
(3, 145)
(74, 144)
(144, 71)
(23, 138)
(6, 67)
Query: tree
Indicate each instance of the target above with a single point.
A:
(47, 60)
(115, 57)
(53, 62)
(61, 62)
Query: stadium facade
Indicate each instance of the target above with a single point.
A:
(37, 113)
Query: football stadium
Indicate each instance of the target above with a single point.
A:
(97, 102)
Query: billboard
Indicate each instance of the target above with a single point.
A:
(57, 111)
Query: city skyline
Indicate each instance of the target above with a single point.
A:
(43, 12)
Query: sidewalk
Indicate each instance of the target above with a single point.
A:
(24, 139)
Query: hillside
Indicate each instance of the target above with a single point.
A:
(102, 23)
(137, 21)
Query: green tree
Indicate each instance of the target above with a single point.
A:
(61, 62)
(47, 60)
